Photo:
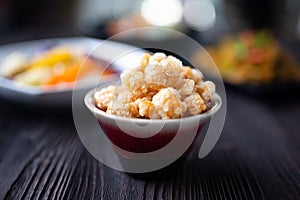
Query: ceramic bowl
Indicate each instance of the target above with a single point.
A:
(133, 135)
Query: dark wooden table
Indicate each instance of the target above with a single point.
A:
(257, 157)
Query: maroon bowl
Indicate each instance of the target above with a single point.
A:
(131, 136)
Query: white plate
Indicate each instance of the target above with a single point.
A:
(62, 96)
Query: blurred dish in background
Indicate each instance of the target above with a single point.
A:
(54, 66)
(43, 72)
(253, 58)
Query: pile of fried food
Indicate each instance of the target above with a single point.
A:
(253, 57)
(159, 88)
(60, 64)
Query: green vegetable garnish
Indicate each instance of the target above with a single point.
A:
(261, 39)
(240, 49)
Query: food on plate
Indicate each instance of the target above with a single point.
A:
(253, 57)
(60, 64)
(159, 88)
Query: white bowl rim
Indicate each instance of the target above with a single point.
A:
(89, 102)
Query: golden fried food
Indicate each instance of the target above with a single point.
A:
(159, 88)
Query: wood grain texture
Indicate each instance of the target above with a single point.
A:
(257, 157)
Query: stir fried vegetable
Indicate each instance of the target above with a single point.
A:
(61, 64)
(252, 57)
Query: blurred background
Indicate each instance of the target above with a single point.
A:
(206, 20)
(255, 42)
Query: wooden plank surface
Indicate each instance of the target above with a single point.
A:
(257, 157)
